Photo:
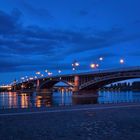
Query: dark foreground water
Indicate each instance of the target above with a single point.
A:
(26, 100)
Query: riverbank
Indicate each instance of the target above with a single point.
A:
(113, 122)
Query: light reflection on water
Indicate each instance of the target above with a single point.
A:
(26, 100)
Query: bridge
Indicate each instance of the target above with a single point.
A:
(5, 88)
(81, 82)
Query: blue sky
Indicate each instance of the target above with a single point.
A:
(49, 34)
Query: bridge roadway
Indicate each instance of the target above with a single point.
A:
(81, 82)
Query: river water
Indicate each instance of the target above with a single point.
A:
(27, 100)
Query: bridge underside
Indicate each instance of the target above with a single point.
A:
(50, 84)
(100, 84)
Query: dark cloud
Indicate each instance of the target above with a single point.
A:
(37, 12)
(95, 57)
(137, 53)
(9, 23)
(40, 46)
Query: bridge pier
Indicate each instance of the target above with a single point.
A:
(37, 84)
(76, 83)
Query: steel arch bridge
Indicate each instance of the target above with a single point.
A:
(83, 81)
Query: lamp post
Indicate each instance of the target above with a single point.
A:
(121, 61)
(74, 65)
(38, 72)
(59, 71)
(101, 58)
(50, 73)
(94, 66)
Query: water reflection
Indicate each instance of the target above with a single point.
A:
(118, 97)
(24, 100)
(8, 100)
(43, 100)
(64, 98)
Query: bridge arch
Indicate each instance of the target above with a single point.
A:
(28, 85)
(50, 83)
(102, 81)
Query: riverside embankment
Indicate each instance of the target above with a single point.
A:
(86, 122)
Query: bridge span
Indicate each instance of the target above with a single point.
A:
(81, 82)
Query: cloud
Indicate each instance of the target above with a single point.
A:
(36, 11)
(9, 23)
(135, 53)
(29, 47)
(96, 57)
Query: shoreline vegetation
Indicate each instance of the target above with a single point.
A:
(135, 86)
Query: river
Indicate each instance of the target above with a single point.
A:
(27, 100)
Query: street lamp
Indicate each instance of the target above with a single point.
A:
(31, 78)
(59, 71)
(73, 69)
(50, 73)
(121, 61)
(97, 65)
(22, 78)
(35, 77)
(101, 58)
(38, 72)
(74, 65)
(93, 66)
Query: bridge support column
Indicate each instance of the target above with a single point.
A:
(14, 88)
(37, 84)
(76, 84)
(22, 86)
